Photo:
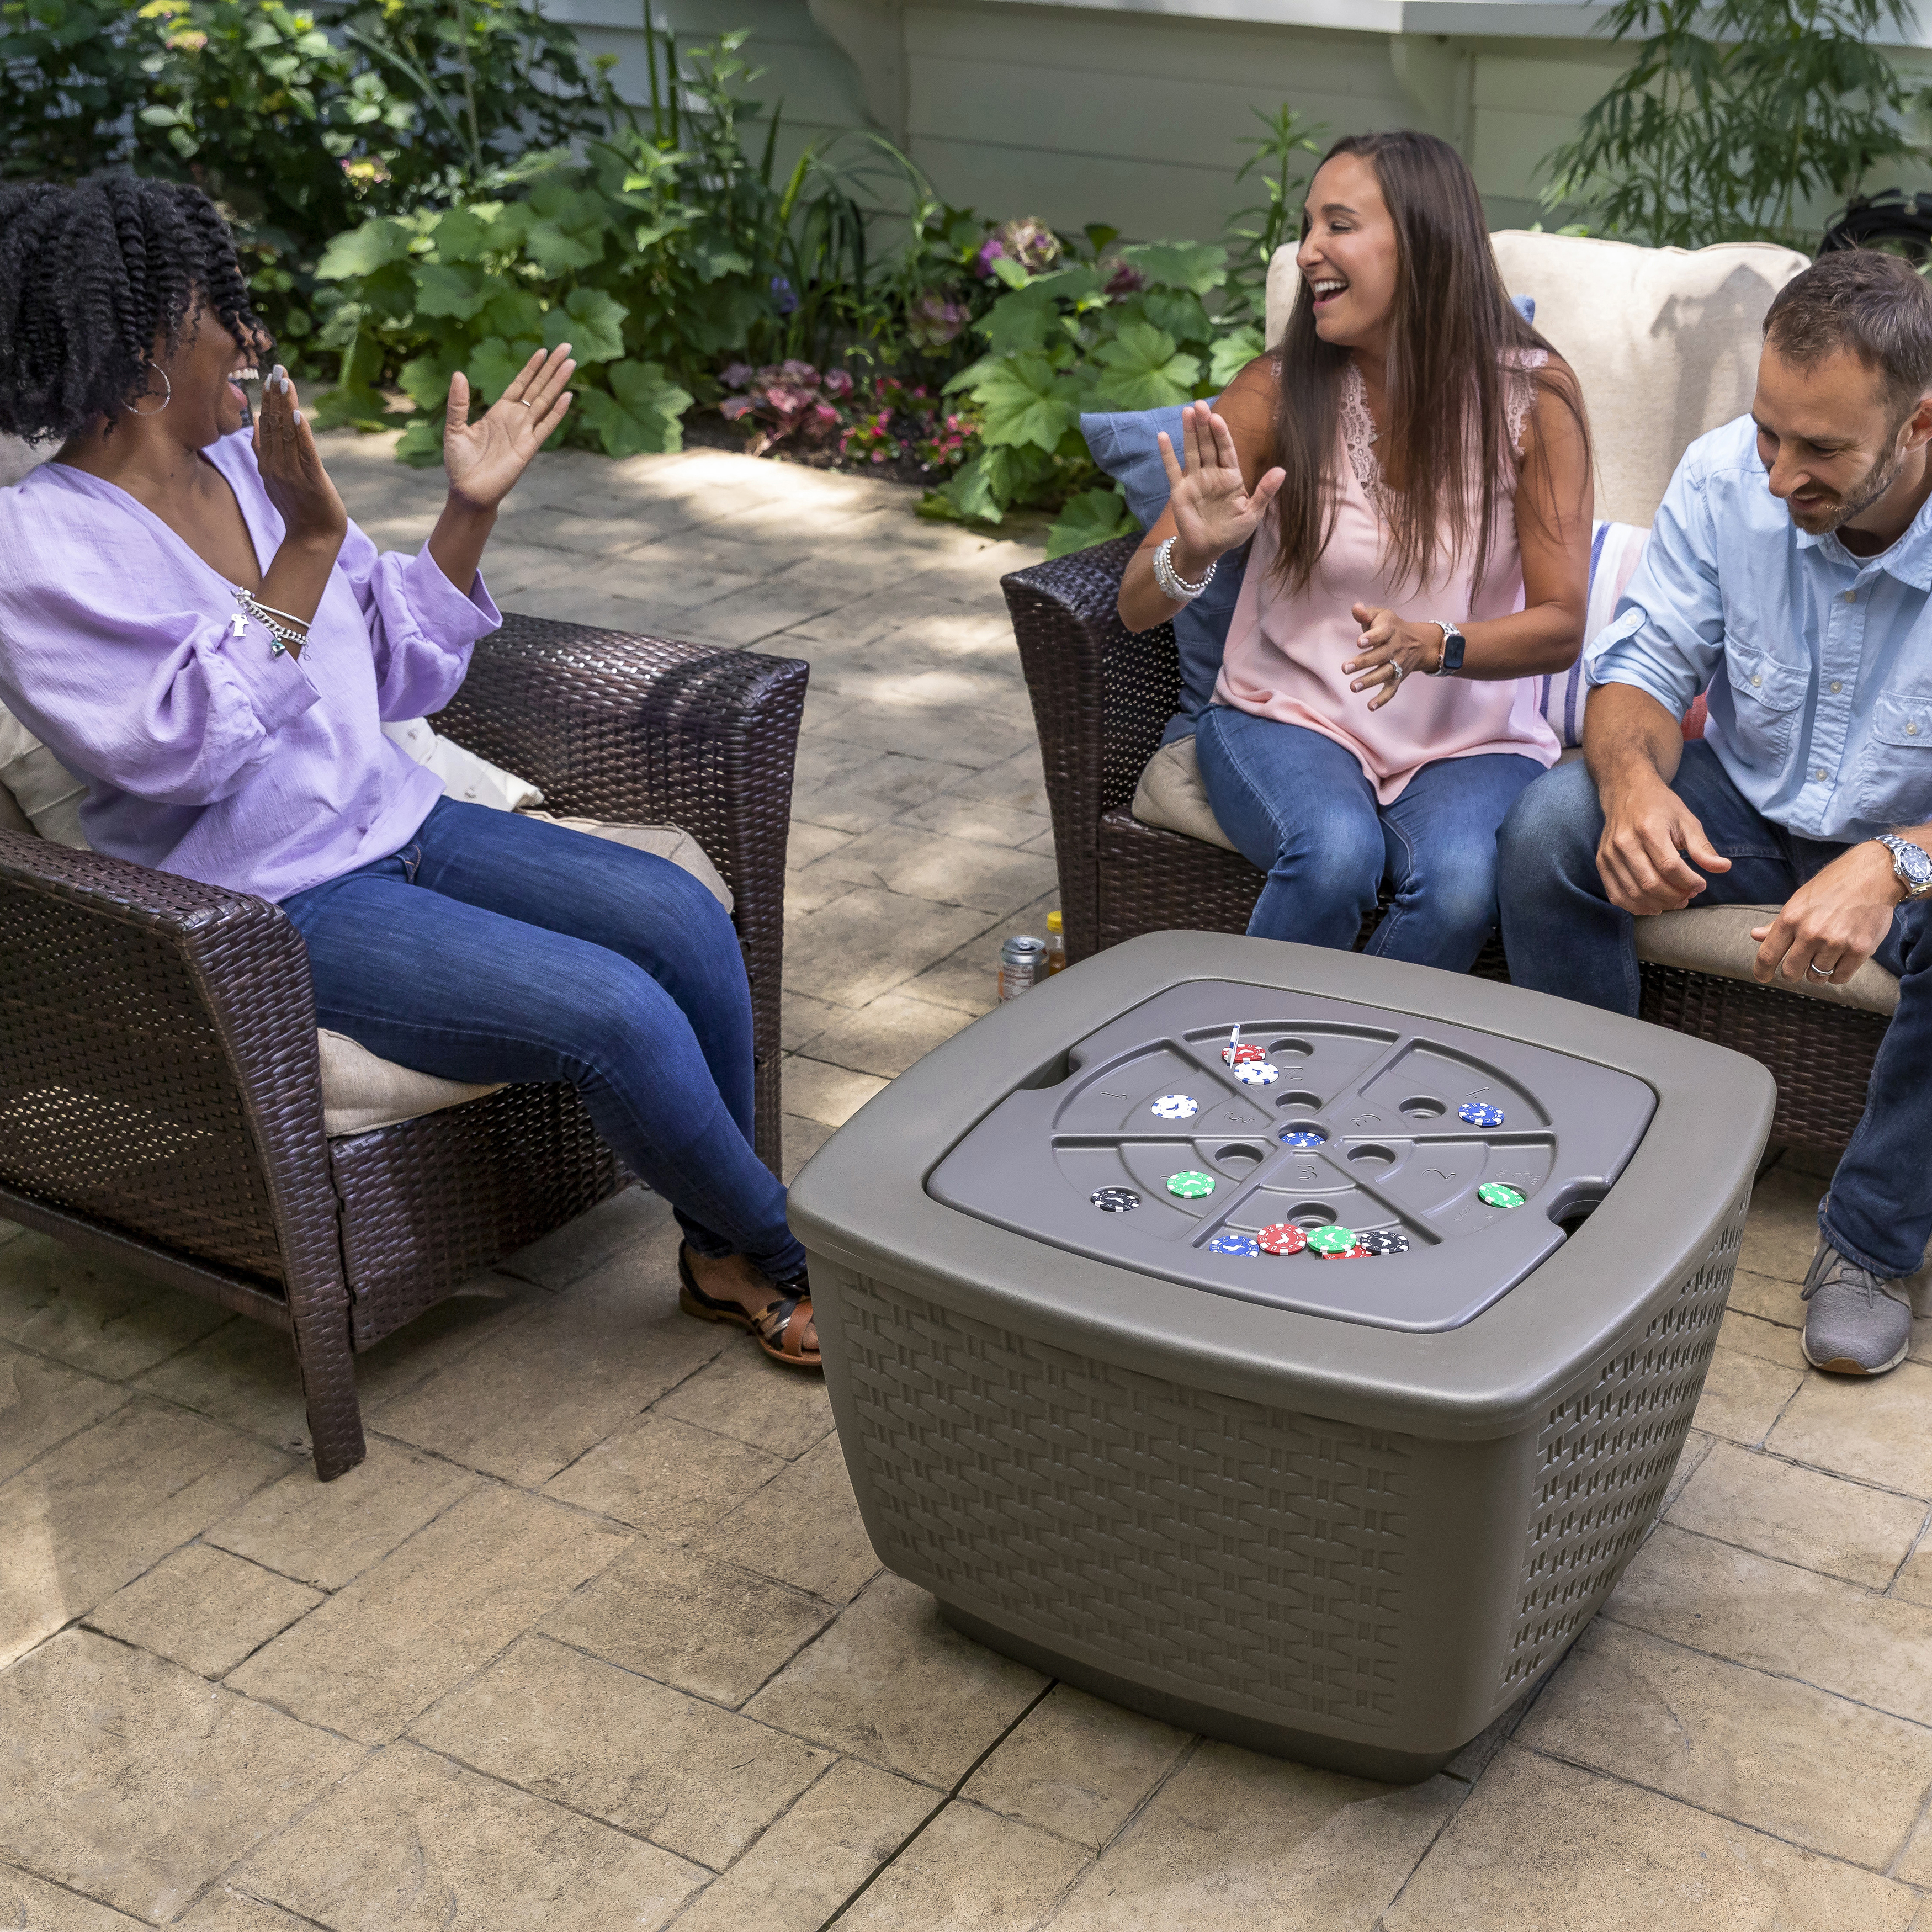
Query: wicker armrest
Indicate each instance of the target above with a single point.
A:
(640, 730)
(1101, 695)
(158, 1061)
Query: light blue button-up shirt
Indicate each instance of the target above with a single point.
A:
(1818, 663)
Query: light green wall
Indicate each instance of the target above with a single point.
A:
(1088, 111)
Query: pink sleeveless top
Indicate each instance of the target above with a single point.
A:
(1285, 653)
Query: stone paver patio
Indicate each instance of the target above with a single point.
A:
(595, 1639)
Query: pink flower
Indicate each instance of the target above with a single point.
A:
(825, 412)
(736, 375)
(787, 401)
(933, 321)
(837, 382)
(738, 406)
(801, 374)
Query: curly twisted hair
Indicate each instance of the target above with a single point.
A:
(90, 276)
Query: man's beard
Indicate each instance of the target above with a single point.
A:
(1859, 498)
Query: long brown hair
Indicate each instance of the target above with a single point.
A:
(1452, 329)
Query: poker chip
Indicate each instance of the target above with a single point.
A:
(1333, 1240)
(1478, 1115)
(1499, 1194)
(1114, 1200)
(1176, 1107)
(1242, 1056)
(1191, 1185)
(1229, 1242)
(1257, 1073)
(1385, 1241)
(1283, 1237)
(1302, 1137)
(1357, 1253)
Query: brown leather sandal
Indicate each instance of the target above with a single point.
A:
(778, 1329)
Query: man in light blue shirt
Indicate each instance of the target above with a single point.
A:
(1790, 570)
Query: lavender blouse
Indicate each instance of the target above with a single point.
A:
(205, 755)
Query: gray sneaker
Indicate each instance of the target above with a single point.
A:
(1856, 1324)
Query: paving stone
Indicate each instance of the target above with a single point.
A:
(1542, 1846)
(1799, 1516)
(754, 1400)
(1767, 1297)
(527, 1402)
(802, 1018)
(984, 819)
(689, 1621)
(42, 1403)
(136, 1782)
(1914, 1580)
(1233, 1839)
(1872, 1427)
(1743, 1395)
(688, 1776)
(1697, 1446)
(803, 1528)
(969, 1870)
(994, 879)
(853, 788)
(1791, 1622)
(1770, 1341)
(1781, 1234)
(326, 1534)
(891, 1684)
(228, 1908)
(802, 1139)
(969, 978)
(92, 1315)
(1813, 1769)
(204, 1608)
(1019, 781)
(395, 1640)
(870, 941)
(828, 1094)
(887, 1037)
(665, 1475)
(245, 1375)
(1914, 1867)
(629, 1220)
(92, 1514)
(414, 1844)
(817, 1855)
(1076, 1765)
(30, 1904)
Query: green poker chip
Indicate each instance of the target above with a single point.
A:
(1191, 1185)
(1499, 1194)
(1335, 1240)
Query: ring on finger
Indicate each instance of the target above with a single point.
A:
(1823, 972)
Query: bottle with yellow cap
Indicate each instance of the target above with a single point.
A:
(1056, 945)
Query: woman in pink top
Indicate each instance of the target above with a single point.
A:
(1412, 465)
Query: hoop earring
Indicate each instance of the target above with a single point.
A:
(168, 397)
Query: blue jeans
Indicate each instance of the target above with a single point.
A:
(1563, 936)
(1298, 808)
(492, 947)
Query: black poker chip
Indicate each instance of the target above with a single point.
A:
(1114, 1200)
(1385, 1241)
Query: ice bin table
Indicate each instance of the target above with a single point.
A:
(1348, 1510)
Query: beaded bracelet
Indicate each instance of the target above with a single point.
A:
(1173, 587)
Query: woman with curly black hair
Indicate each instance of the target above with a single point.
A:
(190, 621)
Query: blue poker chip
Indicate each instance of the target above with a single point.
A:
(1478, 1115)
(1115, 1200)
(1228, 1243)
(1303, 1137)
(1385, 1241)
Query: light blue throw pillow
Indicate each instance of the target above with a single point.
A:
(1126, 445)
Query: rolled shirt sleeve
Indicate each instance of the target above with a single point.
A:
(422, 629)
(1667, 635)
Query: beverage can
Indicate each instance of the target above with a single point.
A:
(1022, 962)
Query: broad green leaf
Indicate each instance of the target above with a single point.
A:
(1017, 397)
(465, 234)
(363, 250)
(1013, 274)
(967, 497)
(1178, 312)
(344, 408)
(1140, 369)
(1195, 266)
(643, 415)
(511, 312)
(1093, 517)
(420, 446)
(457, 292)
(1232, 354)
(591, 322)
(557, 252)
(1025, 320)
(494, 364)
(425, 380)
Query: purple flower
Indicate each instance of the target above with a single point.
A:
(1030, 243)
(988, 254)
(785, 298)
(933, 321)
(837, 382)
(800, 374)
(738, 406)
(1123, 278)
(736, 375)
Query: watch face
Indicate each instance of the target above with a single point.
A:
(1913, 861)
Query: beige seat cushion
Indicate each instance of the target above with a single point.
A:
(1664, 341)
(1172, 795)
(1716, 939)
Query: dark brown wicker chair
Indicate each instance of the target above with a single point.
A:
(160, 1090)
(1101, 696)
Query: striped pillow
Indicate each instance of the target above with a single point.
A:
(1615, 549)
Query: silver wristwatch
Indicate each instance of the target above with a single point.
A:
(1912, 863)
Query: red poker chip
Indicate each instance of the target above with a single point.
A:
(1239, 1056)
(1357, 1253)
(1283, 1238)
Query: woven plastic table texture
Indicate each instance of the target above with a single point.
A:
(160, 1092)
(1102, 697)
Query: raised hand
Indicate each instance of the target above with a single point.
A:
(292, 472)
(1214, 512)
(484, 458)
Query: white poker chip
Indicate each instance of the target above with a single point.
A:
(1258, 1073)
(1176, 1106)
